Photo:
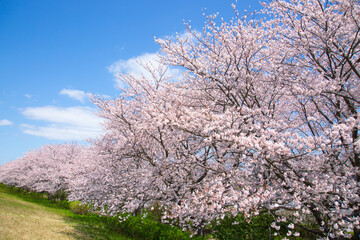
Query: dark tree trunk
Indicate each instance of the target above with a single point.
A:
(356, 234)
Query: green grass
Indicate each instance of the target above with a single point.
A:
(31, 216)
(88, 227)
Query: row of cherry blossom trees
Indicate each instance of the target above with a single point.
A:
(47, 169)
(264, 117)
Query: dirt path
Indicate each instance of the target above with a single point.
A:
(25, 220)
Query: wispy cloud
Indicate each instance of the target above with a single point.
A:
(137, 67)
(74, 94)
(5, 122)
(185, 36)
(28, 96)
(56, 132)
(72, 123)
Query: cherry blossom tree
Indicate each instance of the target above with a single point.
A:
(47, 169)
(11, 173)
(98, 181)
(322, 71)
(265, 116)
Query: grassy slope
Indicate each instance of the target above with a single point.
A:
(20, 219)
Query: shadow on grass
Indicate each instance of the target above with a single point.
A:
(38, 198)
(93, 227)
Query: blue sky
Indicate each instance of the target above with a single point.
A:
(52, 53)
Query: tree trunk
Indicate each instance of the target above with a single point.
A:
(356, 234)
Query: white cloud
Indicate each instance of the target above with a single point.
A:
(135, 66)
(28, 96)
(72, 123)
(5, 122)
(74, 94)
(56, 132)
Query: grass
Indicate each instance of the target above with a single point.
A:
(30, 216)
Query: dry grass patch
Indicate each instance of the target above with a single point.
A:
(25, 220)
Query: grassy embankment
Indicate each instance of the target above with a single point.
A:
(27, 217)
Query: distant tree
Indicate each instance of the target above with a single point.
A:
(12, 173)
(98, 181)
(46, 169)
